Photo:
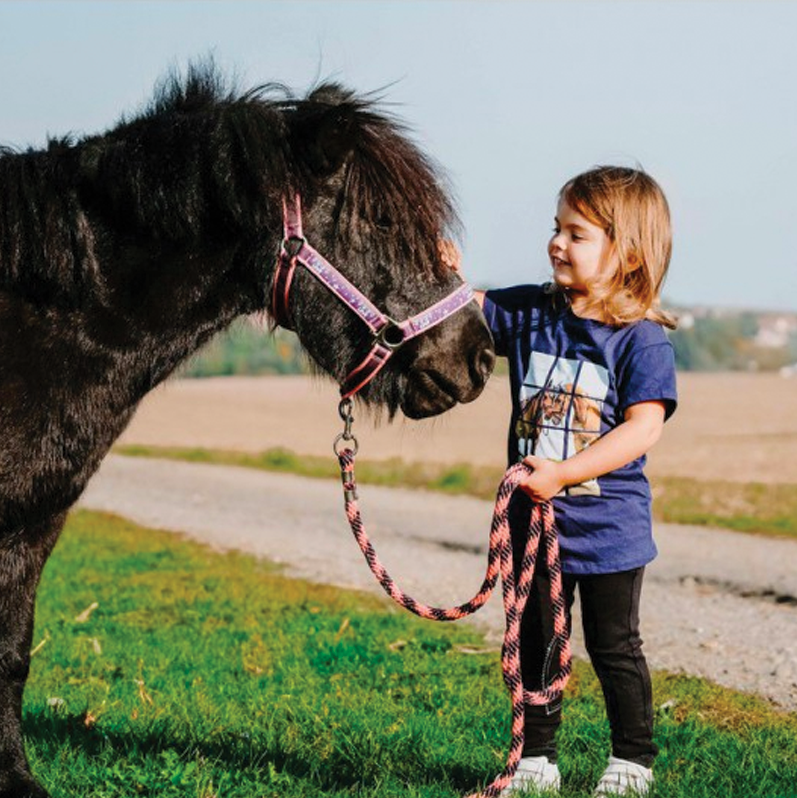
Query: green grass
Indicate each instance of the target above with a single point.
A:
(213, 676)
(769, 509)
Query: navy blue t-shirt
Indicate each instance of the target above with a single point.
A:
(572, 380)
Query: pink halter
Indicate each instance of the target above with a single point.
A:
(388, 335)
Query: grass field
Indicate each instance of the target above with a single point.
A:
(165, 669)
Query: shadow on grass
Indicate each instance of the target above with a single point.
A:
(60, 737)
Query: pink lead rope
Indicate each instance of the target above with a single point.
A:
(387, 336)
(499, 561)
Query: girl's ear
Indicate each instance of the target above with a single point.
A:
(322, 138)
(633, 262)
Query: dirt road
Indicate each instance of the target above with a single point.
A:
(716, 604)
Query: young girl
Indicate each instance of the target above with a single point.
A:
(593, 380)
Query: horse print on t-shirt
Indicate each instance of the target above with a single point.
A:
(561, 401)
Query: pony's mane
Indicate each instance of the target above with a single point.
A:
(44, 241)
(391, 188)
(390, 182)
(193, 162)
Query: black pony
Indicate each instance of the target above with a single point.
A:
(122, 254)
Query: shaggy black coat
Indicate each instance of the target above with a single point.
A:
(121, 254)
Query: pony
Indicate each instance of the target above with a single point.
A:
(123, 253)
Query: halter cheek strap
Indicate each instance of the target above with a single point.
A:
(388, 335)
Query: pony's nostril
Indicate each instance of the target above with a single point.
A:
(483, 363)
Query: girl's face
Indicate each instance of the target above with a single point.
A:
(579, 250)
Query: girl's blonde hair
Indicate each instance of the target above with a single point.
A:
(632, 210)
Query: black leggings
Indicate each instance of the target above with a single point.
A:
(610, 614)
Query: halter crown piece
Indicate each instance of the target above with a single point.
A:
(388, 335)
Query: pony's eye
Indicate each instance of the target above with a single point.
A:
(379, 217)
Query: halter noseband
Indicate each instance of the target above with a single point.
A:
(388, 334)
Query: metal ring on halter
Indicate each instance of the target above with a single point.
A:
(387, 332)
(293, 245)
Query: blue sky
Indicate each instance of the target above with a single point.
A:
(512, 98)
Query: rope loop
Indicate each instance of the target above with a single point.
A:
(542, 528)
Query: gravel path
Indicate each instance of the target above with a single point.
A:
(716, 604)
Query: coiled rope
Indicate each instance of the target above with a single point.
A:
(515, 594)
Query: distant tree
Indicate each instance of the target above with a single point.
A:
(748, 325)
(727, 343)
(245, 349)
(711, 343)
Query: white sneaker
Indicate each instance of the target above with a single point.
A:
(534, 774)
(622, 777)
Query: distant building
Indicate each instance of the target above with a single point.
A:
(774, 331)
(788, 371)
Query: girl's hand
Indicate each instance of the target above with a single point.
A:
(545, 482)
(450, 255)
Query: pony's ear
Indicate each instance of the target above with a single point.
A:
(322, 137)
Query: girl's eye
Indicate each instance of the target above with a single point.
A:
(577, 237)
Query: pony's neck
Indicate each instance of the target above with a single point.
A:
(134, 255)
(195, 295)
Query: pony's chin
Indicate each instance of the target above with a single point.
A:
(427, 394)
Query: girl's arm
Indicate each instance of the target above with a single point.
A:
(631, 439)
